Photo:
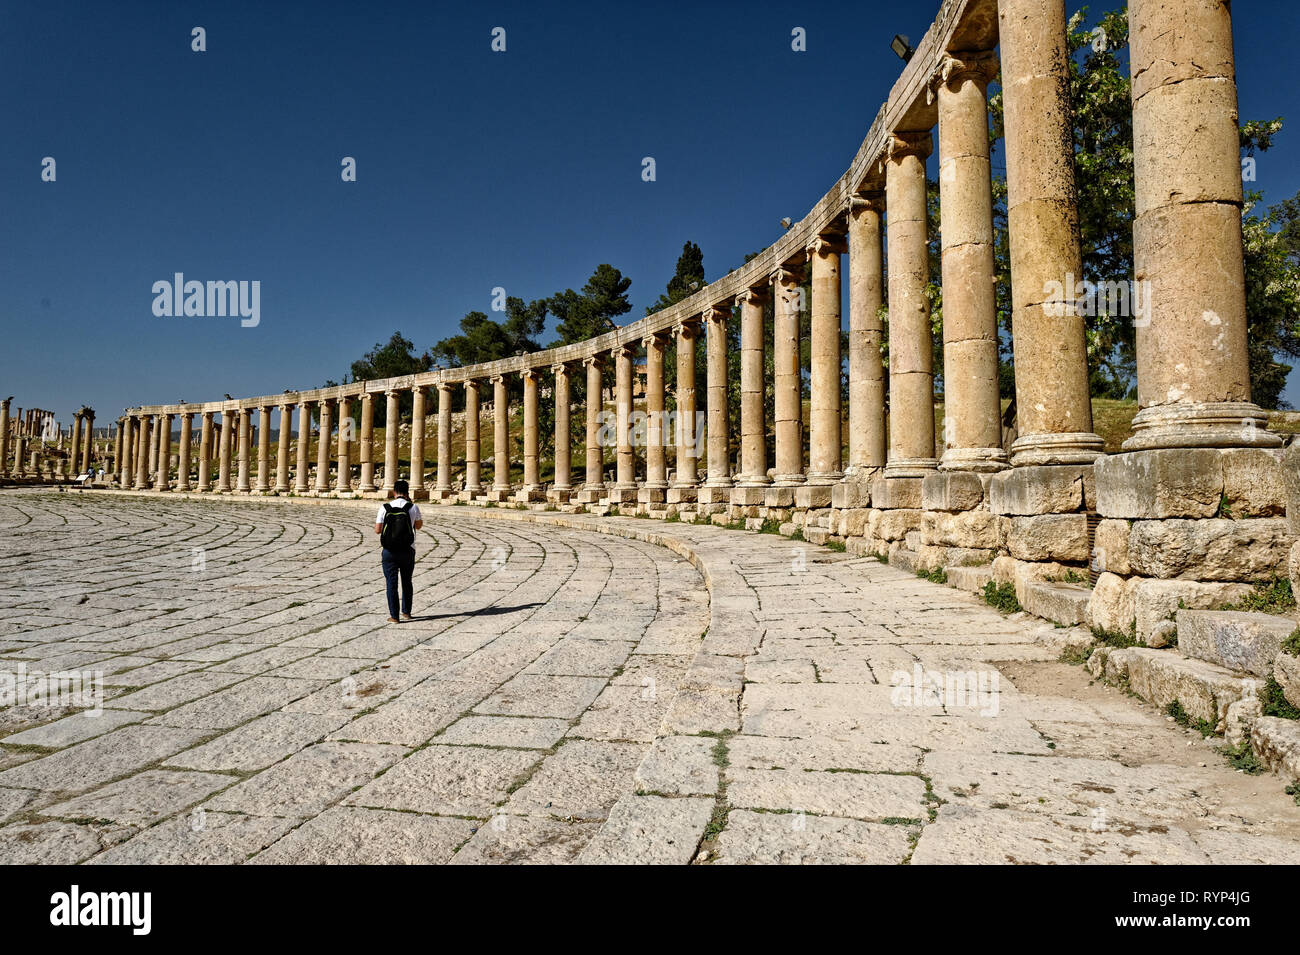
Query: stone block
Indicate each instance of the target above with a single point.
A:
(708, 494)
(816, 535)
(1211, 549)
(778, 497)
(853, 522)
(1204, 690)
(894, 493)
(973, 529)
(953, 490)
(748, 496)
(1173, 482)
(1059, 537)
(813, 496)
(1252, 482)
(1233, 639)
(1293, 567)
(894, 525)
(970, 578)
(1042, 489)
(1066, 604)
(1277, 743)
(850, 493)
(652, 495)
(902, 558)
(1156, 601)
(1286, 670)
(1111, 605)
(1291, 486)
(1110, 547)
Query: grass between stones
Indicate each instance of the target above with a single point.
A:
(1183, 718)
(1268, 596)
(1273, 703)
(1001, 597)
(936, 576)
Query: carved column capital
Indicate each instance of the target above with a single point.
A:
(825, 244)
(957, 68)
(872, 200)
(903, 144)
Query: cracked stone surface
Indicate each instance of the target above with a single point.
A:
(573, 689)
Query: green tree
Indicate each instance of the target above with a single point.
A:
(687, 279)
(1272, 256)
(591, 312)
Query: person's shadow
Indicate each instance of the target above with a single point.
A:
(481, 612)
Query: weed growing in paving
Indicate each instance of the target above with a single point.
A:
(1001, 597)
(835, 545)
(1273, 703)
(1269, 596)
(1291, 644)
(1117, 638)
(936, 576)
(1183, 718)
(770, 526)
(1242, 757)
(1294, 790)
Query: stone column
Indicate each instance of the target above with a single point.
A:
(155, 441)
(117, 454)
(366, 454)
(20, 446)
(126, 466)
(683, 488)
(417, 442)
(4, 437)
(76, 440)
(500, 439)
(825, 456)
(343, 481)
(972, 405)
(473, 466)
(142, 458)
(264, 449)
(866, 332)
(717, 484)
(624, 489)
(1192, 360)
(282, 449)
(392, 430)
(164, 452)
(187, 442)
(302, 479)
(323, 446)
(205, 453)
(753, 429)
(562, 486)
(594, 483)
(656, 468)
(245, 449)
(90, 440)
(1053, 409)
(532, 489)
(443, 490)
(911, 374)
(223, 452)
(786, 379)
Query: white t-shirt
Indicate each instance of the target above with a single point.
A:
(413, 511)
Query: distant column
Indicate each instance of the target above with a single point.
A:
(563, 443)
(392, 429)
(656, 466)
(418, 394)
(155, 441)
(626, 461)
(500, 435)
(245, 449)
(753, 428)
(344, 481)
(142, 459)
(444, 440)
(282, 449)
(223, 451)
(117, 454)
(323, 446)
(688, 433)
(787, 390)
(4, 437)
(532, 472)
(366, 455)
(719, 450)
(866, 333)
(302, 479)
(473, 466)
(126, 464)
(187, 440)
(76, 440)
(89, 449)
(164, 452)
(205, 453)
(594, 481)
(825, 455)
(263, 449)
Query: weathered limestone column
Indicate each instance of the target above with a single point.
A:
(323, 446)
(684, 486)
(223, 451)
(1053, 409)
(656, 466)
(302, 478)
(343, 481)
(500, 440)
(1192, 361)
(443, 490)
(417, 442)
(753, 430)
(624, 488)
(561, 486)
(245, 449)
(911, 374)
(282, 449)
(532, 489)
(20, 446)
(866, 333)
(164, 452)
(825, 456)
(205, 453)
(788, 402)
(155, 440)
(264, 449)
(117, 454)
(126, 461)
(392, 426)
(142, 457)
(76, 439)
(473, 443)
(972, 405)
(90, 439)
(187, 441)
(366, 454)
(594, 484)
(717, 482)
(4, 437)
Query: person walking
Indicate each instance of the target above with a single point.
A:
(396, 524)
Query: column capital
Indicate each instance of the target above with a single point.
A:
(560, 368)
(593, 360)
(688, 327)
(530, 374)
(659, 338)
(716, 313)
(869, 200)
(753, 296)
(787, 275)
(825, 245)
(903, 144)
(366, 396)
(626, 350)
(392, 392)
(957, 68)
(497, 380)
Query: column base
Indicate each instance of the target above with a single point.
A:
(497, 495)
(622, 494)
(442, 494)
(752, 480)
(529, 495)
(748, 496)
(417, 493)
(813, 496)
(986, 460)
(825, 478)
(910, 467)
(1075, 447)
(682, 494)
(364, 489)
(652, 494)
(1202, 424)
(559, 495)
(788, 480)
(714, 494)
(468, 494)
(590, 494)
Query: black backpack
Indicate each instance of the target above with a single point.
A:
(398, 534)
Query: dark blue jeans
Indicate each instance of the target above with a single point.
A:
(398, 564)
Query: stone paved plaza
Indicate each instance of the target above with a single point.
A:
(573, 689)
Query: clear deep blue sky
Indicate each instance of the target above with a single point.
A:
(475, 169)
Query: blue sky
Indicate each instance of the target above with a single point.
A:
(475, 169)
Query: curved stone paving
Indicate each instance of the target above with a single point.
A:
(570, 692)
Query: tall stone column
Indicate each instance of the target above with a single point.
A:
(911, 371)
(142, 459)
(4, 437)
(282, 449)
(624, 488)
(323, 446)
(825, 456)
(223, 451)
(417, 442)
(392, 429)
(89, 449)
(76, 440)
(245, 449)
(205, 453)
(787, 391)
(20, 446)
(972, 404)
(263, 449)
(164, 452)
(302, 478)
(562, 485)
(117, 454)
(753, 428)
(1053, 409)
(594, 484)
(500, 438)
(1192, 360)
(717, 483)
(126, 464)
(656, 466)
(343, 482)
(187, 441)
(684, 487)
(532, 489)
(155, 442)
(366, 454)
(443, 490)
(473, 442)
(866, 333)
